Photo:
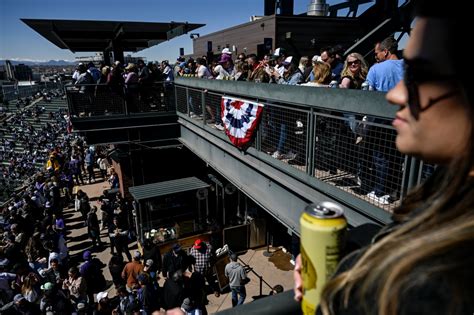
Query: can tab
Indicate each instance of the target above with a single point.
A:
(323, 211)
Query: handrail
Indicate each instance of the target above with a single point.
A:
(92, 100)
(250, 269)
(348, 100)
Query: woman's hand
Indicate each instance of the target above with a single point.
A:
(298, 280)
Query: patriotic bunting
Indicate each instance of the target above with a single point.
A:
(240, 119)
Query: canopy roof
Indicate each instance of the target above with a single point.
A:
(166, 188)
(97, 36)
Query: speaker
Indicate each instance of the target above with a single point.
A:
(268, 42)
(269, 7)
(286, 7)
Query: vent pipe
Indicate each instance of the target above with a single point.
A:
(318, 8)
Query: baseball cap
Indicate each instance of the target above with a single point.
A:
(226, 51)
(18, 297)
(288, 60)
(102, 295)
(224, 58)
(87, 255)
(316, 58)
(176, 248)
(142, 278)
(47, 286)
(198, 244)
(149, 262)
(278, 53)
(4, 262)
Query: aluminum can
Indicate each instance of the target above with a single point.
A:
(323, 229)
(334, 84)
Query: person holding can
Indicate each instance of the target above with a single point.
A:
(423, 262)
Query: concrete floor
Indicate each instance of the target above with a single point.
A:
(274, 270)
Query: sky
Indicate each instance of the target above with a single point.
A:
(19, 41)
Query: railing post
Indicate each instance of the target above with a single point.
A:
(261, 284)
(406, 166)
(310, 143)
(413, 173)
(203, 106)
(125, 103)
(187, 101)
(258, 138)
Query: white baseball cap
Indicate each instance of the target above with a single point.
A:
(102, 295)
(226, 51)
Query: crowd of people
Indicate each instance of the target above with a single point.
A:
(37, 273)
(139, 87)
(25, 152)
(374, 161)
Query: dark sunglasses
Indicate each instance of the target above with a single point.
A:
(416, 72)
(355, 62)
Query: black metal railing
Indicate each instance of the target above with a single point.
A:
(92, 100)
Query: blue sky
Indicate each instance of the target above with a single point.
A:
(18, 41)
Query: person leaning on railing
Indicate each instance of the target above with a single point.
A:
(423, 262)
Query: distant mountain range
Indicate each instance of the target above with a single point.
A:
(40, 63)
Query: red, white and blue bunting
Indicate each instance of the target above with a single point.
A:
(240, 119)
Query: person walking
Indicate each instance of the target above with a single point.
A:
(237, 280)
(93, 227)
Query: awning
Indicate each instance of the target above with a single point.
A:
(98, 36)
(166, 188)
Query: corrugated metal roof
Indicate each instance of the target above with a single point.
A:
(166, 188)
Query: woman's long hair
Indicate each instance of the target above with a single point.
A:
(322, 72)
(434, 238)
(387, 269)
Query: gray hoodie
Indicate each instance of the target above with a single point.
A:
(235, 272)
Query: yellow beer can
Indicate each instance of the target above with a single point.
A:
(323, 228)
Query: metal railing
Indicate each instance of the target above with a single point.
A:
(92, 100)
(343, 138)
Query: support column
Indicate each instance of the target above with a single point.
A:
(118, 52)
(106, 54)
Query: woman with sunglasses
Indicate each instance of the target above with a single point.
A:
(423, 262)
(354, 72)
